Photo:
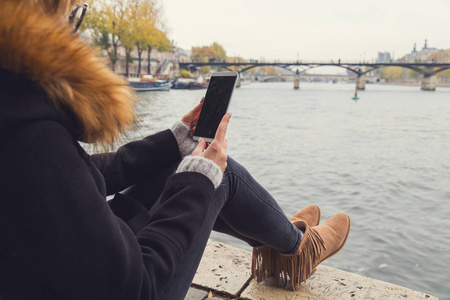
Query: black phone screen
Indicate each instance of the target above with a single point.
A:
(215, 105)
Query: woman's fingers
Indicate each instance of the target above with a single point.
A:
(193, 130)
(222, 129)
(192, 116)
(217, 150)
(200, 148)
(197, 111)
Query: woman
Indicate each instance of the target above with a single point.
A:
(60, 239)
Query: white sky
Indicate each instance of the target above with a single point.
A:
(316, 30)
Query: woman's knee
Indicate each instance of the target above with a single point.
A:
(233, 167)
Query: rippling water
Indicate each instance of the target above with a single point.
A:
(384, 160)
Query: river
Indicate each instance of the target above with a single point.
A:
(383, 159)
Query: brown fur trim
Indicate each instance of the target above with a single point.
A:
(42, 48)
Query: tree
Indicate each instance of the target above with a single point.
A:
(205, 69)
(144, 23)
(95, 23)
(220, 52)
(151, 32)
(208, 53)
(185, 74)
(445, 74)
(236, 59)
(439, 57)
(127, 23)
(143, 30)
(391, 72)
(128, 38)
(105, 21)
(158, 40)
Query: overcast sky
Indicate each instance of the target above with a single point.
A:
(313, 29)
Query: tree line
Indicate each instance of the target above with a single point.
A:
(440, 56)
(132, 24)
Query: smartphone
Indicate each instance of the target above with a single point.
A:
(215, 105)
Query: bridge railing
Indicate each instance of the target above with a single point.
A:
(319, 62)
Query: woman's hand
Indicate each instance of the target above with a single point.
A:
(191, 118)
(217, 150)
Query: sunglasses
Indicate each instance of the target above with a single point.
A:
(77, 16)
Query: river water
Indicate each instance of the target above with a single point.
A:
(383, 159)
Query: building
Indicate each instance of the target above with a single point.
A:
(420, 56)
(384, 57)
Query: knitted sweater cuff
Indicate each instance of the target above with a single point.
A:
(204, 166)
(182, 134)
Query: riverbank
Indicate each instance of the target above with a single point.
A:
(409, 83)
(224, 273)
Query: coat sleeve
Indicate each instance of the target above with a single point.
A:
(65, 235)
(136, 160)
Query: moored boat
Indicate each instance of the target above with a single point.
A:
(188, 84)
(146, 86)
(197, 85)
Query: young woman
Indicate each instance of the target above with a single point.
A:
(60, 238)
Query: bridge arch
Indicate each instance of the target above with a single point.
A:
(425, 69)
(261, 65)
(440, 70)
(375, 67)
(309, 67)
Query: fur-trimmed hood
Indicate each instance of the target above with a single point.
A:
(43, 49)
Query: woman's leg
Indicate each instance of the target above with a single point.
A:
(222, 227)
(252, 212)
(148, 191)
(249, 212)
(242, 208)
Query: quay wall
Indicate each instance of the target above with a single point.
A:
(225, 273)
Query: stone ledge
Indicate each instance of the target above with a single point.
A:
(330, 283)
(226, 270)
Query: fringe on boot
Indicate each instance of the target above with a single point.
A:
(302, 264)
(263, 263)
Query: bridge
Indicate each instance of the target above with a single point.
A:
(311, 77)
(428, 69)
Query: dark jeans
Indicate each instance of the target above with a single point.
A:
(241, 207)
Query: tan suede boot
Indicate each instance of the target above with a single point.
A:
(265, 259)
(318, 244)
(310, 215)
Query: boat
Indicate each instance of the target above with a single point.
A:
(188, 84)
(197, 85)
(147, 86)
(148, 83)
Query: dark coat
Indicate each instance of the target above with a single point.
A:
(59, 239)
